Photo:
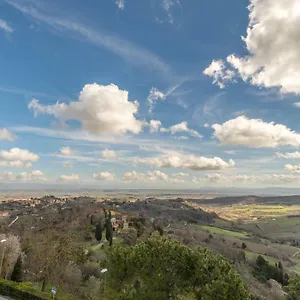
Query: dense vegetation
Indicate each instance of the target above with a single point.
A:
(167, 250)
(165, 269)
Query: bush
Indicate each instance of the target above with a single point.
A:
(263, 271)
(23, 291)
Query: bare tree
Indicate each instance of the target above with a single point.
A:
(10, 250)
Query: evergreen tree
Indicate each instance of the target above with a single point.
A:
(109, 231)
(17, 272)
(108, 227)
(98, 232)
(165, 269)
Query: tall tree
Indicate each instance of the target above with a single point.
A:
(17, 272)
(108, 227)
(98, 232)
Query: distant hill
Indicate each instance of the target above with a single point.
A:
(250, 199)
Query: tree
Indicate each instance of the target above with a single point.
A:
(17, 272)
(98, 232)
(108, 227)
(161, 268)
(294, 288)
(51, 254)
(10, 250)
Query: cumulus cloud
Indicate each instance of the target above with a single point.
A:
(154, 96)
(288, 155)
(219, 73)
(104, 176)
(191, 162)
(35, 175)
(109, 154)
(292, 168)
(181, 127)
(100, 110)
(297, 104)
(154, 126)
(120, 4)
(6, 135)
(151, 177)
(273, 49)
(16, 164)
(4, 26)
(17, 154)
(70, 178)
(254, 133)
(66, 151)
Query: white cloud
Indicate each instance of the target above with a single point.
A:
(206, 125)
(109, 154)
(288, 155)
(16, 154)
(6, 135)
(231, 152)
(254, 133)
(100, 110)
(154, 126)
(66, 151)
(4, 26)
(222, 179)
(152, 177)
(104, 176)
(273, 48)
(120, 4)
(70, 178)
(154, 96)
(180, 175)
(35, 175)
(16, 164)
(191, 162)
(134, 177)
(219, 73)
(167, 6)
(297, 104)
(180, 138)
(292, 168)
(181, 127)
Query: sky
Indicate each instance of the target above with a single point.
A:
(150, 94)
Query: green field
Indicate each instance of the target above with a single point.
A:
(224, 232)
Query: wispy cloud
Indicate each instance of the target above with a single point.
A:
(168, 6)
(23, 92)
(130, 52)
(4, 26)
(120, 4)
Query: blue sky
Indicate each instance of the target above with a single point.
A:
(150, 94)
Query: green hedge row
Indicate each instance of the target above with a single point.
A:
(22, 291)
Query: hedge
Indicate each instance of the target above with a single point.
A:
(22, 291)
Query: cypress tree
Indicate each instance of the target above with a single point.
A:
(98, 232)
(17, 272)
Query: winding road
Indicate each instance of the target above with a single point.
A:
(5, 298)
